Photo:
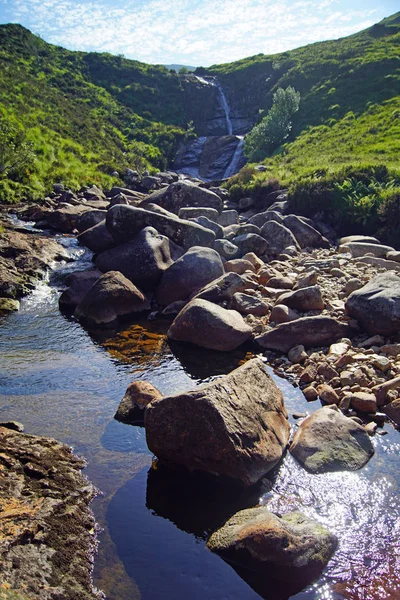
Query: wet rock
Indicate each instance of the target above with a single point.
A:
(303, 299)
(278, 237)
(111, 297)
(8, 305)
(124, 223)
(190, 273)
(137, 396)
(289, 548)
(79, 283)
(329, 441)
(143, 260)
(210, 326)
(47, 531)
(200, 429)
(376, 306)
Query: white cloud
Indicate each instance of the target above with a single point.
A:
(189, 31)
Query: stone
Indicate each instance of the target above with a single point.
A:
(182, 194)
(97, 238)
(89, 219)
(310, 393)
(303, 299)
(297, 354)
(250, 242)
(358, 249)
(226, 249)
(64, 219)
(208, 224)
(357, 238)
(339, 348)
(281, 313)
(143, 260)
(281, 283)
(192, 212)
(381, 363)
(363, 402)
(111, 297)
(223, 289)
(228, 217)
(210, 326)
(249, 305)
(329, 441)
(200, 429)
(8, 305)
(238, 265)
(278, 237)
(376, 306)
(254, 260)
(391, 349)
(352, 284)
(393, 255)
(137, 396)
(307, 280)
(309, 331)
(309, 374)
(327, 372)
(189, 274)
(125, 222)
(291, 548)
(261, 218)
(79, 283)
(305, 234)
(381, 263)
(392, 410)
(327, 394)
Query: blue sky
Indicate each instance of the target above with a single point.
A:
(192, 32)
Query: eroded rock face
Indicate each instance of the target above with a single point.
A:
(46, 527)
(292, 546)
(142, 260)
(329, 441)
(195, 269)
(210, 326)
(309, 331)
(376, 306)
(111, 297)
(235, 426)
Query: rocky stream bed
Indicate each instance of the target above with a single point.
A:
(258, 359)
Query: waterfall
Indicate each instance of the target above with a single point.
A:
(225, 106)
(237, 157)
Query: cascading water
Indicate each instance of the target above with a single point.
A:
(237, 158)
(225, 106)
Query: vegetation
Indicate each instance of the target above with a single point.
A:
(267, 135)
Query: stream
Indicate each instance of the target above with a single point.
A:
(64, 383)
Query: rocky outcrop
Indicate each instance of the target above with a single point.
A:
(376, 306)
(208, 325)
(112, 296)
(235, 426)
(47, 532)
(288, 548)
(329, 441)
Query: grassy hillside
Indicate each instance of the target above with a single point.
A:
(86, 114)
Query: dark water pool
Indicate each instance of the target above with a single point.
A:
(61, 382)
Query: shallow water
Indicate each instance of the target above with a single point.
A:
(61, 382)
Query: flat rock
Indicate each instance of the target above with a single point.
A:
(309, 331)
(329, 441)
(208, 325)
(358, 249)
(235, 426)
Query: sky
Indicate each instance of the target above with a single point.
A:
(192, 32)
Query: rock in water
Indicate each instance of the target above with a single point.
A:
(137, 396)
(235, 426)
(112, 296)
(292, 549)
(329, 441)
(207, 325)
(376, 306)
(195, 269)
(47, 532)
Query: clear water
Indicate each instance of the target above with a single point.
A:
(61, 382)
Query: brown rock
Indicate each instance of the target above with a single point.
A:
(283, 314)
(303, 299)
(137, 396)
(310, 394)
(363, 402)
(327, 394)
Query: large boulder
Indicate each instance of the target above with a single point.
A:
(124, 222)
(291, 548)
(235, 426)
(358, 249)
(192, 212)
(329, 441)
(97, 238)
(210, 326)
(376, 306)
(181, 194)
(142, 260)
(261, 218)
(278, 237)
(111, 297)
(195, 269)
(308, 331)
(89, 219)
(79, 283)
(226, 249)
(250, 242)
(132, 406)
(65, 218)
(305, 234)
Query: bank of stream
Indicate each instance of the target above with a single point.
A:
(61, 382)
